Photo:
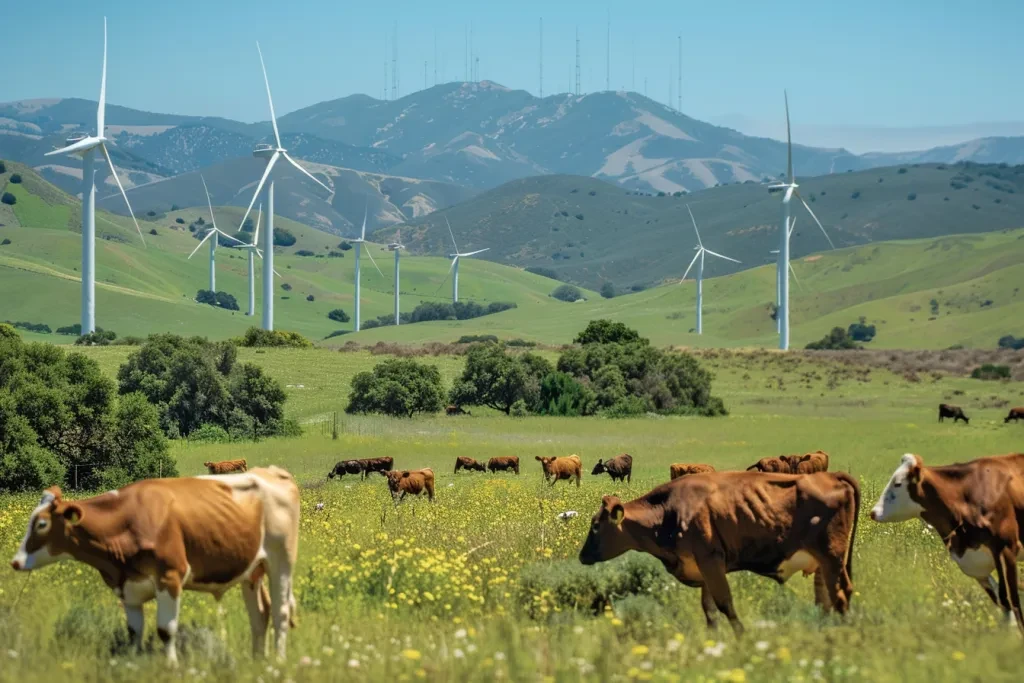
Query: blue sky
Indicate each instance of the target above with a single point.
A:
(865, 63)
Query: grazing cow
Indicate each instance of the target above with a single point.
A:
(456, 410)
(704, 526)
(561, 468)
(413, 482)
(619, 467)
(809, 463)
(1015, 415)
(465, 463)
(158, 537)
(346, 467)
(778, 465)
(977, 509)
(680, 469)
(226, 466)
(381, 465)
(955, 412)
(503, 463)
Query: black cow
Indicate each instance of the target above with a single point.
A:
(955, 412)
(346, 467)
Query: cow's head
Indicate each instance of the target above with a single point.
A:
(207, 464)
(899, 499)
(598, 468)
(606, 539)
(394, 477)
(45, 540)
(546, 463)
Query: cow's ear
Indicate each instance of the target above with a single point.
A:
(72, 514)
(405, 473)
(53, 493)
(617, 514)
(539, 458)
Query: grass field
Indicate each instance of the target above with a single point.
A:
(468, 588)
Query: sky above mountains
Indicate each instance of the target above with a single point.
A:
(864, 65)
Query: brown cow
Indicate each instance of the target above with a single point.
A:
(680, 469)
(414, 482)
(977, 509)
(455, 410)
(779, 465)
(503, 463)
(226, 466)
(809, 463)
(619, 467)
(1015, 415)
(381, 465)
(466, 463)
(955, 412)
(346, 467)
(561, 468)
(158, 537)
(704, 526)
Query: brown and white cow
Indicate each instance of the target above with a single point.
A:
(955, 412)
(779, 465)
(620, 467)
(226, 466)
(464, 462)
(809, 463)
(410, 482)
(681, 469)
(977, 508)
(1016, 414)
(503, 463)
(156, 538)
(704, 526)
(556, 468)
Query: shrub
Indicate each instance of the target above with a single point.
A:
(3, 167)
(304, 252)
(5, 242)
(336, 254)
(837, 340)
(855, 195)
(861, 331)
(283, 237)
(912, 196)
(561, 394)
(40, 328)
(520, 343)
(218, 299)
(210, 433)
(256, 337)
(608, 290)
(345, 246)
(491, 378)
(476, 338)
(16, 178)
(567, 293)
(97, 338)
(1011, 342)
(400, 387)
(902, 171)
(286, 287)
(543, 272)
(179, 221)
(9, 199)
(310, 297)
(991, 371)
(339, 315)
(152, 231)
(519, 409)
(606, 332)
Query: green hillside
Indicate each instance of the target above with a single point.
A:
(590, 232)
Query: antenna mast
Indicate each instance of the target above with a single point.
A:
(394, 65)
(608, 55)
(435, 56)
(385, 66)
(577, 61)
(542, 57)
(679, 89)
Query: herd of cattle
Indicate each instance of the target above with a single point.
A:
(957, 413)
(156, 538)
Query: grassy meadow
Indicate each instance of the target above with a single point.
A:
(484, 584)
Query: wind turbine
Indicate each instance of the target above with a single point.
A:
(778, 279)
(455, 262)
(271, 154)
(397, 247)
(700, 271)
(215, 233)
(253, 250)
(359, 241)
(85, 145)
(789, 186)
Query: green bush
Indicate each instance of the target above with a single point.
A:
(476, 338)
(491, 377)
(519, 409)
(217, 299)
(606, 332)
(345, 246)
(97, 338)
(1010, 342)
(398, 387)
(567, 293)
(608, 290)
(3, 167)
(991, 371)
(836, 340)
(16, 178)
(861, 331)
(210, 433)
(5, 241)
(561, 394)
(40, 328)
(339, 315)
(256, 337)
(304, 252)
(9, 199)
(283, 237)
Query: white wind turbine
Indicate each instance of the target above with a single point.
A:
(397, 247)
(212, 232)
(700, 272)
(789, 186)
(271, 153)
(85, 145)
(454, 268)
(254, 251)
(359, 241)
(778, 279)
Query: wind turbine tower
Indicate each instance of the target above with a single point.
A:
(397, 247)
(454, 268)
(213, 234)
(359, 241)
(699, 260)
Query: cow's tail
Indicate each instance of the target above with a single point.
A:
(849, 480)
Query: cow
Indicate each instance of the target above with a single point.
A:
(619, 467)
(381, 465)
(455, 410)
(466, 463)
(503, 463)
(343, 467)
(976, 508)
(955, 412)
(1015, 415)
(158, 537)
(226, 466)
(561, 468)
(809, 463)
(680, 469)
(779, 465)
(704, 526)
(414, 482)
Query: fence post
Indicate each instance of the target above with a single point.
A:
(76, 477)
(334, 431)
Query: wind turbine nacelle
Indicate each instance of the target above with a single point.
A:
(263, 151)
(394, 246)
(75, 137)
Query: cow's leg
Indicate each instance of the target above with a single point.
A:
(1006, 568)
(257, 603)
(991, 588)
(712, 569)
(837, 582)
(280, 576)
(578, 477)
(707, 601)
(168, 602)
(136, 623)
(821, 596)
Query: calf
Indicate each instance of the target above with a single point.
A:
(346, 467)
(778, 465)
(455, 410)
(977, 509)
(226, 466)
(619, 467)
(955, 412)
(158, 537)
(413, 482)
(809, 463)
(680, 469)
(561, 468)
(504, 463)
(1015, 415)
(465, 463)
(381, 465)
(704, 526)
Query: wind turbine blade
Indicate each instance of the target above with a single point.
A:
(259, 188)
(83, 144)
(208, 233)
(789, 193)
(720, 256)
(213, 218)
(371, 258)
(273, 117)
(789, 142)
(452, 234)
(474, 253)
(256, 232)
(695, 257)
(795, 279)
(362, 235)
(695, 226)
(308, 174)
(792, 227)
(113, 172)
(230, 237)
(806, 206)
(101, 110)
